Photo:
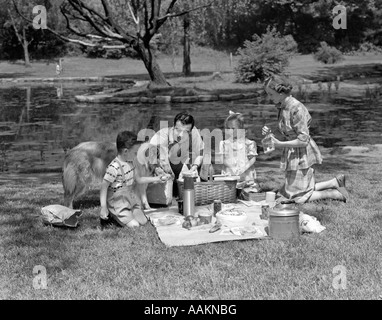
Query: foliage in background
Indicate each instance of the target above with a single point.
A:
(264, 56)
(99, 52)
(328, 54)
(42, 44)
(227, 24)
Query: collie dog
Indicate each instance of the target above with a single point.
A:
(87, 163)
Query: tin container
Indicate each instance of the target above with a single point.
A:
(284, 222)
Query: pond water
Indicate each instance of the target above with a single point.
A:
(39, 123)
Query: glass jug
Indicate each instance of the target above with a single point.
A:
(268, 144)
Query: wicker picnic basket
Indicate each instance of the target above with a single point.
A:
(207, 192)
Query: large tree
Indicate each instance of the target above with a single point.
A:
(119, 24)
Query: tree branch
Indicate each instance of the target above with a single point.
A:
(89, 9)
(171, 6)
(173, 15)
(135, 18)
(107, 10)
(146, 14)
(63, 8)
(68, 25)
(112, 23)
(80, 42)
(163, 19)
(83, 34)
(155, 11)
(80, 7)
(14, 27)
(88, 44)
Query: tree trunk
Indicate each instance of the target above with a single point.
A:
(186, 46)
(156, 75)
(26, 51)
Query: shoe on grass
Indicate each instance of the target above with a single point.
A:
(341, 179)
(344, 193)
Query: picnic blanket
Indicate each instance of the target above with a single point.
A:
(175, 235)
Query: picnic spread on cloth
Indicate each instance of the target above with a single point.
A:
(168, 223)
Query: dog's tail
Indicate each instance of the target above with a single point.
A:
(69, 182)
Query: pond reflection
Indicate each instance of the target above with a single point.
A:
(39, 124)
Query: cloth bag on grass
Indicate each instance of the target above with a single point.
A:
(60, 216)
(310, 224)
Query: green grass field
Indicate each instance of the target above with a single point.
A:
(88, 263)
(202, 63)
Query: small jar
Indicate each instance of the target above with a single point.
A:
(180, 206)
(217, 206)
(265, 211)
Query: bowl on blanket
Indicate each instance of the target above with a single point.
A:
(232, 217)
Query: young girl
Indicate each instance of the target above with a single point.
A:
(119, 202)
(239, 153)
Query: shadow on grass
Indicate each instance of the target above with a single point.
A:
(12, 75)
(88, 200)
(87, 203)
(336, 165)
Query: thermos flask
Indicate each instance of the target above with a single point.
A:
(188, 196)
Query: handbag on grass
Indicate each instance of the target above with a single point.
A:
(60, 216)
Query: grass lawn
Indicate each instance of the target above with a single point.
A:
(87, 263)
(202, 65)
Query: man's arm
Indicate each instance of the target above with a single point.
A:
(197, 149)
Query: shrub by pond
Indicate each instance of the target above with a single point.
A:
(264, 56)
(328, 55)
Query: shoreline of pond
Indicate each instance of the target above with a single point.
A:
(197, 91)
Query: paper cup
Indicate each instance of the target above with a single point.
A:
(270, 197)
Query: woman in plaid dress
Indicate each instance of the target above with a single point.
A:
(299, 150)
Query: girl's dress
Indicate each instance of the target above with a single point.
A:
(122, 202)
(294, 122)
(236, 155)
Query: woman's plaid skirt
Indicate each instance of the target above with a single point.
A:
(299, 185)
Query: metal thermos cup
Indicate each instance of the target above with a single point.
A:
(188, 197)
